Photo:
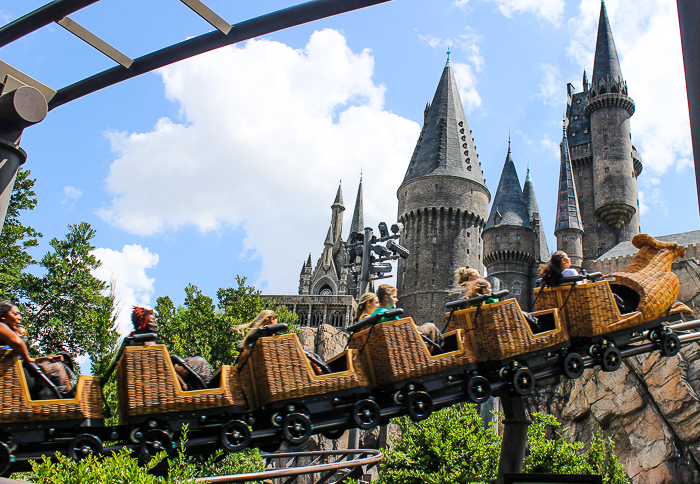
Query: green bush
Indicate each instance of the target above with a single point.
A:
(452, 446)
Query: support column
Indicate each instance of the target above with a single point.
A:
(514, 436)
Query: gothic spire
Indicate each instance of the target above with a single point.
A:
(358, 223)
(339, 198)
(509, 207)
(606, 63)
(533, 212)
(446, 146)
(568, 213)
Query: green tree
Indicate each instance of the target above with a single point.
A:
(16, 238)
(452, 446)
(201, 327)
(63, 308)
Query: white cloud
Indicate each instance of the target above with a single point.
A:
(466, 83)
(468, 42)
(551, 10)
(434, 41)
(552, 88)
(266, 133)
(551, 146)
(126, 270)
(71, 194)
(647, 38)
(461, 3)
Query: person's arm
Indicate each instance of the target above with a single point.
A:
(15, 342)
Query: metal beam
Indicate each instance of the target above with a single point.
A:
(84, 34)
(39, 18)
(209, 15)
(689, 19)
(265, 24)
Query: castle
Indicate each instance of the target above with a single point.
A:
(443, 200)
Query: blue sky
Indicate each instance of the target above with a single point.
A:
(227, 164)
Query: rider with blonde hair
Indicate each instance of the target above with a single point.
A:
(265, 317)
(368, 303)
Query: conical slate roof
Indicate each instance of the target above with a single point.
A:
(358, 223)
(509, 207)
(606, 63)
(568, 213)
(445, 146)
(339, 198)
(532, 209)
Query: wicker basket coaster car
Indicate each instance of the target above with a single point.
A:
(396, 352)
(277, 369)
(499, 332)
(147, 384)
(588, 310)
(17, 405)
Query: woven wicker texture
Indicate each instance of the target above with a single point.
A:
(587, 309)
(147, 384)
(396, 352)
(18, 407)
(500, 331)
(277, 369)
(649, 274)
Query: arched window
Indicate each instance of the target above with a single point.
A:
(316, 318)
(326, 291)
(613, 90)
(303, 317)
(337, 319)
(516, 288)
(603, 91)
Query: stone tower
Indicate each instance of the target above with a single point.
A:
(604, 162)
(443, 204)
(510, 242)
(568, 227)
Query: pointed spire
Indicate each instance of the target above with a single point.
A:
(585, 81)
(568, 213)
(606, 62)
(509, 207)
(447, 64)
(533, 211)
(358, 223)
(339, 197)
(445, 146)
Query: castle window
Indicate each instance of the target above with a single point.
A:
(415, 284)
(563, 238)
(434, 265)
(516, 288)
(450, 283)
(461, 131)
(607, 168)
(580, 173)
(573, 134)
(585, 130)
(433, 282)
(598, 223)
(452, 248)
(578, 101)
(461, 123)
(435, 230)
(605, 131)
(467, 251)
(472, 190)
(437, 187)
(464, 138)
(498, 238)
(469, 234)
(600, 251)
(576, 117)
(517, 238)
(580, 203)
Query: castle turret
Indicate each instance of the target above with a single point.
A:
(305, 277)
(357, 225)
(604, 163)
(568, 227)
(443, 204)
(533, 212)
(609, 109)
(509, 240)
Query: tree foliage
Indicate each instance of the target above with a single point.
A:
(201, 327)
(452, 446)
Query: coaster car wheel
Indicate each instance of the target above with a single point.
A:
(670, 344)
(83, 445)
(478, 389)
(419, 406)
(523, 381)
(611, 360)
(573, 366)
(6, 458)
(153, 442)
(235, 436)
(333, 434)
(296, 428)
(366, 414)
